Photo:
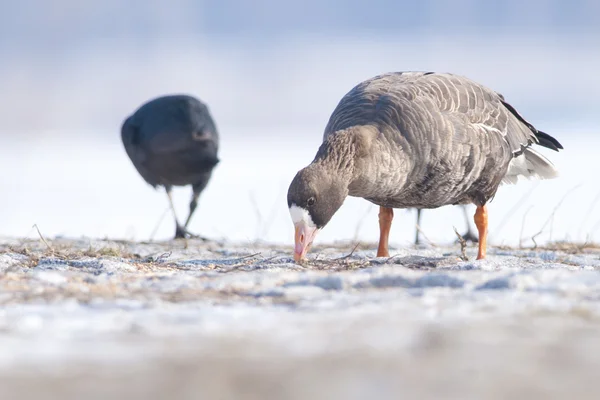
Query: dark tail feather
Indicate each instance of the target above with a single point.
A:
(544, 139)
(548, 141)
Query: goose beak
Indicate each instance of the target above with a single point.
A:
(303, 239)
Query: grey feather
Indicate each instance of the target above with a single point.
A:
(428, 140)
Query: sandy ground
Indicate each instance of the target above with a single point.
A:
(193, 320)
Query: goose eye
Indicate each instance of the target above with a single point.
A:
(311, 201)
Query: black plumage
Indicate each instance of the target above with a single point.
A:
(173, 141)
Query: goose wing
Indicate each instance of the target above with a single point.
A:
(426, 106)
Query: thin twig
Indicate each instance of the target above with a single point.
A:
(523, 227)
(249, 256)
(361, 220)
(349, 254)
(551, 217)
(425, 236)
(551, 229)
(42, 238)
(580, 248)
(161, 258)
(594, 228)
(391, 258)
(463, 245)
(240, 265)
(535, 245)
(160, 220)
(514, 209)
(272, 214)
(259, 216)
(269, 259)
(589, 212)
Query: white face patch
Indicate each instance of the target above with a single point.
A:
(300, 214)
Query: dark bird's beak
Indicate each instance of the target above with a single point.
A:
(303, 239)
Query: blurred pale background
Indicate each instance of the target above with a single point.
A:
(272, 72)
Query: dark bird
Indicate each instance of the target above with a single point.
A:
(416, 140)
(173, 141)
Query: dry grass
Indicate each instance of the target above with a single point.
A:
(569, 247)
(339, 264)
(36, 251)
(68, 252)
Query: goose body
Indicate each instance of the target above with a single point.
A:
(173, 141)
(418, 140)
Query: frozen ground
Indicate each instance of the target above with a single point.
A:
(190, 320)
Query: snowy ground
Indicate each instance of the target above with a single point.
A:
(98, 320)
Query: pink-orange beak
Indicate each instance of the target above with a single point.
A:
(303, 239)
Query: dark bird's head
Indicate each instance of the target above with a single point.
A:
(315, 194)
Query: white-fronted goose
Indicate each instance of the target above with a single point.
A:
(419, 140)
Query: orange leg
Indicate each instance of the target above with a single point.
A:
(481, 222)
(386, 215)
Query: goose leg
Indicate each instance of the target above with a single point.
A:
(469, 235)
(417, 238)
(386, 215)
(481, 222)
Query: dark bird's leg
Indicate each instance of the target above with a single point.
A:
(469, 235)
(418, 227)
(481, 222)
(193, 205)
(179, 231)
(196, 190)
(386, 215)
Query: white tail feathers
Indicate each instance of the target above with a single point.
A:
(530, 165)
